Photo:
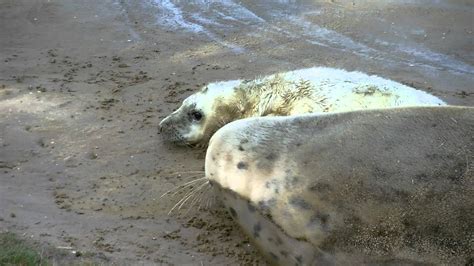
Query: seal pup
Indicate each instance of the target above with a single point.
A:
(390, 186)
(311, 90)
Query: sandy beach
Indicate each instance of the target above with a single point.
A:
(84, 84)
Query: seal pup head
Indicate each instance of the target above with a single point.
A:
(218, 104)
(201, 114)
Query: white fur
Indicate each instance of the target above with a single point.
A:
(334, 90)
(335, 82)
(339, 87)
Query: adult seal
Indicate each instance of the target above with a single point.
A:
(390, 186)
(311, 90)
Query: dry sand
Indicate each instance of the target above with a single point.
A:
(83, 85)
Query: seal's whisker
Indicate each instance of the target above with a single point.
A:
(200, 201)
(182, 201)
(186, 176)
(213, 201)
(176, 205)
(190, 186)
(185, 198)
(193, 176)
(189, 172)
(193, 194)
(195, 200)
(178, 138)
(204, 193)
(192, 189)
(208, 203)
(202, 204)
(182, 186)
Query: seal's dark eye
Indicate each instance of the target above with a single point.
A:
(196, 115)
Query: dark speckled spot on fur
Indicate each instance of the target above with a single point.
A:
(299, 203)
(264, 207)
(267, 203)
(233, 212)
(271, 157)
(265, 165)
(242, 166)
(241, 148)
(256, 230)
(274, 256)
(319, 219)
(291, 181)
(269, 216)
(273, 184)
(276, 190)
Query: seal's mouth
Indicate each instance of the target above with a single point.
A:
(175, 131)
(171, 135)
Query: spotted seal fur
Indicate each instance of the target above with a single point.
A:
(301, 91)
(390, 186)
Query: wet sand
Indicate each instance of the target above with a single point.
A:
(84, 84)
